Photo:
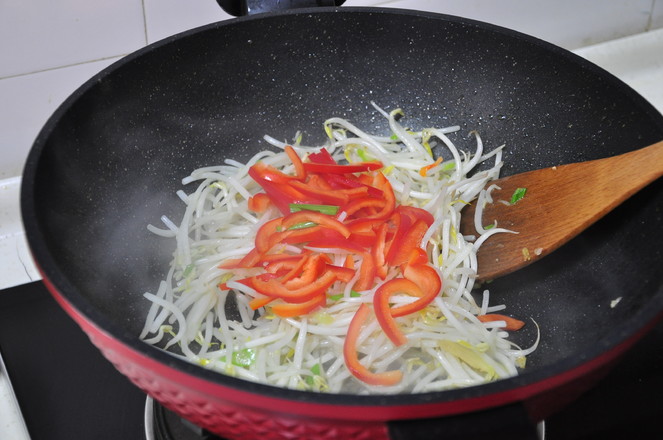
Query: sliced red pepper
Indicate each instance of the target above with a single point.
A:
(405, 242)
(300, 172)
(381, 182)
(315, 217)
(367, 273)
(352, 361)
(365, 202)
(349, 262)
(378, 251)
(256, 303)
(317, 181)
(291, 267)
(326, 196)
(282, 195)
(313, 167)
(250, 260)
(512, 324)
(430, 283)
(306, 274)
(417, 256)
(344, 274)
(322, 156)
(416, 214)
(274, 288)
(288, 310)
(383, 311)
(262, 171)
(339, 242)
(259, 202)
(364, 239)
(267, 235)
(349, 181)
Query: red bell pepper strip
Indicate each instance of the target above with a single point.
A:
(267, 235)
(365, 202)
(405, 242)
(348, 181)
(259, 202)
(512, 324)
(378, 251)
(289, 310)
(276, 289)
(430, 283)
(367, 273)
(329, 242)
(306, 274)
(292, 267)
(315, 217)
(256, 303)
(250, 260)
(344, 274)
(352, 361)
(322, 156)
(262, 171)
(283, 195)
(300, 172)
(327, 196)
(417, 256)
(416, 214)
(383, 311)
(313, 167)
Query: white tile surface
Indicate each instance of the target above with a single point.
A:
(27, 102)
(17, 266)
(168, 17)
(12, 424)
(567, 23)
(38, 34)
(657, 15)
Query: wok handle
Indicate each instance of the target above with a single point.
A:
(251, 7)
(503, 423)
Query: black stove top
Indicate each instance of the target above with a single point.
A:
(67, 390)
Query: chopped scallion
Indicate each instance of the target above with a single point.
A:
(302, 225)
(324, 209)
(518, 194)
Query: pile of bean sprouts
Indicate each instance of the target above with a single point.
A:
(189, 316)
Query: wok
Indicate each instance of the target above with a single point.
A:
(110, 159)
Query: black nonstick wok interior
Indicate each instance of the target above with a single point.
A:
(111, 158)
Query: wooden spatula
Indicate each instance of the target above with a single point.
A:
(559, 203)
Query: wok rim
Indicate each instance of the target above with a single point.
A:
(527, 384)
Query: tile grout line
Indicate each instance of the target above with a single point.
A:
(50, 69)
(142, 2)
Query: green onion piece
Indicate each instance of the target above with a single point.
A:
(353, 294)
(448, 166)
(188, 270)
(316, 369)
(518, 194)
(302, 225)
(393, 137)
(244, 358)
(324, 209)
